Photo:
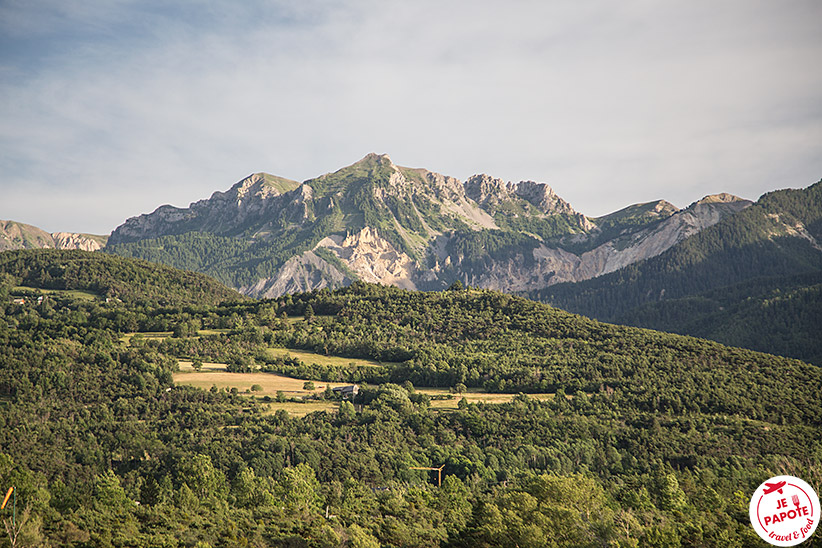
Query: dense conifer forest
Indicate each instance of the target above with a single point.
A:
(649, 439)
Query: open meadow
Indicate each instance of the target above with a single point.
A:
(77, 294)
(313, 357)
(269, 385)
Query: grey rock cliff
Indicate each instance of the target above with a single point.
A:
(85, 242)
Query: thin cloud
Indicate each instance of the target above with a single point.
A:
(135, 104)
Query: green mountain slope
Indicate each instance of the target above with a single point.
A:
(707, 283)
(109, 277)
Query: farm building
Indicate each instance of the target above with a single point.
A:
(347, 392)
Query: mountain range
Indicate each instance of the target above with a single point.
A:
(725, 268)
(379, 222)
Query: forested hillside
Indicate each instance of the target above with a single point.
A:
(649, 439)
(780, 315)
(750, 280)
(110, 277)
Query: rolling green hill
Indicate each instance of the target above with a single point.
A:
(109, 277)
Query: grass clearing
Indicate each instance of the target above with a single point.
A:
(473, 395)
(214, 374)
(295, 319)
(162, 335)
(298, 409)
(186, 366)
(77, 294)
(156, 335)
(206, 332)
(321, 359)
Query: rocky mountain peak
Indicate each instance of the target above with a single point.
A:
(543, 197)
(254, 185)
(443, 187)
(371, 161)
(664, 208)
(248, 201)
(487, 191)
(373, 157)
(373, 167)
(257, 186)
(14, 235)
(721, 198)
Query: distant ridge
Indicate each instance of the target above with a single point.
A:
(15, 235)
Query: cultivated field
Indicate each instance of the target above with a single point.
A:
(161, 335)
(295, 319)
(269, 384)
(214, 374)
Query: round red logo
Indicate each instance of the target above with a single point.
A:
(784, 511)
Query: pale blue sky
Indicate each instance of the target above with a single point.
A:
(109, 109)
